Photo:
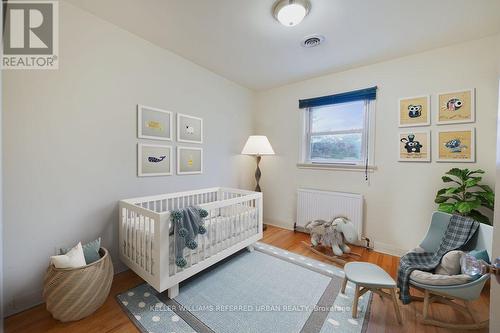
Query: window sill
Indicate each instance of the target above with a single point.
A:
(336, 167)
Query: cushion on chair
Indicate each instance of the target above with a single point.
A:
(450, 263)
(480, 255)
(438, 279)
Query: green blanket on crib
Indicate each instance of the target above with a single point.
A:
(188, 223)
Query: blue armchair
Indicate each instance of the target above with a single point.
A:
(447, 294)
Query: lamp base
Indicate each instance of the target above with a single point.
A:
(258, 174)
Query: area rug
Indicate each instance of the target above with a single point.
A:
(268, 290)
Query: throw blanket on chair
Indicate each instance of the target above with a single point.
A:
(459, 231)
(188, 223)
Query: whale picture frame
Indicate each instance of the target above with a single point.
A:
(154, 160)
(189, 129)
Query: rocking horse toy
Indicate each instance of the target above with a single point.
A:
(334, 234)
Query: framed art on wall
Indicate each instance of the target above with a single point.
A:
(189, 129)
(189, 160)
(153, 123)
(456, 144)
(415, 146)
(456, 107)
(414, 111)
(154, 160)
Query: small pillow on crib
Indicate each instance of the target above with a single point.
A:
(73, 259)
(450, 263)
(90, 251)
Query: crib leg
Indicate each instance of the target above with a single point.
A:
(250, 248)
(173, 291)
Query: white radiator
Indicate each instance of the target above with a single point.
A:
(314, 204)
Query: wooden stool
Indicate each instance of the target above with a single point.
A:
(371, 277)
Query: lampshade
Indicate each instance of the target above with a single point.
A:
(257, 145)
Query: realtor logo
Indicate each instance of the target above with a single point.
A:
(30, 35)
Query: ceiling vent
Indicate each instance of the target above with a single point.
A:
(312, 41)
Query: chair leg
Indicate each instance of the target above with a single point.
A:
(429, 298)
(396, 306)
(344, 284)
(425, 311)
(355, 302)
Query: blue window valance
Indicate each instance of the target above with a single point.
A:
(351, 96)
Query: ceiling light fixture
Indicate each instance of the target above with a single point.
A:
(291, 12)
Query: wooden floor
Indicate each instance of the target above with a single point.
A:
(111, 318)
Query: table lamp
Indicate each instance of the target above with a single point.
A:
(257, 145)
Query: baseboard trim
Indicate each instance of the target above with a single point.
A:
(277, 225)
(388, 249)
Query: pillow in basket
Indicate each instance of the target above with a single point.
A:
(72, 259)
(90, 251)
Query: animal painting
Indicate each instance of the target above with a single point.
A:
(411, 145)
(414, 111)
(455, 146)
(153, 159)
(454, 104)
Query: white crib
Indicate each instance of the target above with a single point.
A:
(147, 241)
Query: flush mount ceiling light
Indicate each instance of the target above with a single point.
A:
(291, 12)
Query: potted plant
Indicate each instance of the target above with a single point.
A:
(465, 195)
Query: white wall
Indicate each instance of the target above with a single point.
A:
(70, 141)
(495, 284)
(399, 196)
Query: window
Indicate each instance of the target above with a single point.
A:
(338, 133)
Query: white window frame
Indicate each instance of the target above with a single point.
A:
(368, 143)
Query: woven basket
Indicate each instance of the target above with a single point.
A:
(74, 293)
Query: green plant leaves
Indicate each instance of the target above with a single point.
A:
(447, 179)
(475, 171)
(471, 182)
(455, 172)
(440, 199)
(486, 188)
(479, 217)
(447, 208)
(452, 190)
(467, 197)
(465, 207)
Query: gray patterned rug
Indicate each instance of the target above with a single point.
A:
(268, 290)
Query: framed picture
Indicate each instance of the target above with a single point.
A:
(189, 129)
(154, 160)
(456, 107)
(189, 160)
(456, 144)
(414, 111)
(153, 123)
(415, 146)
